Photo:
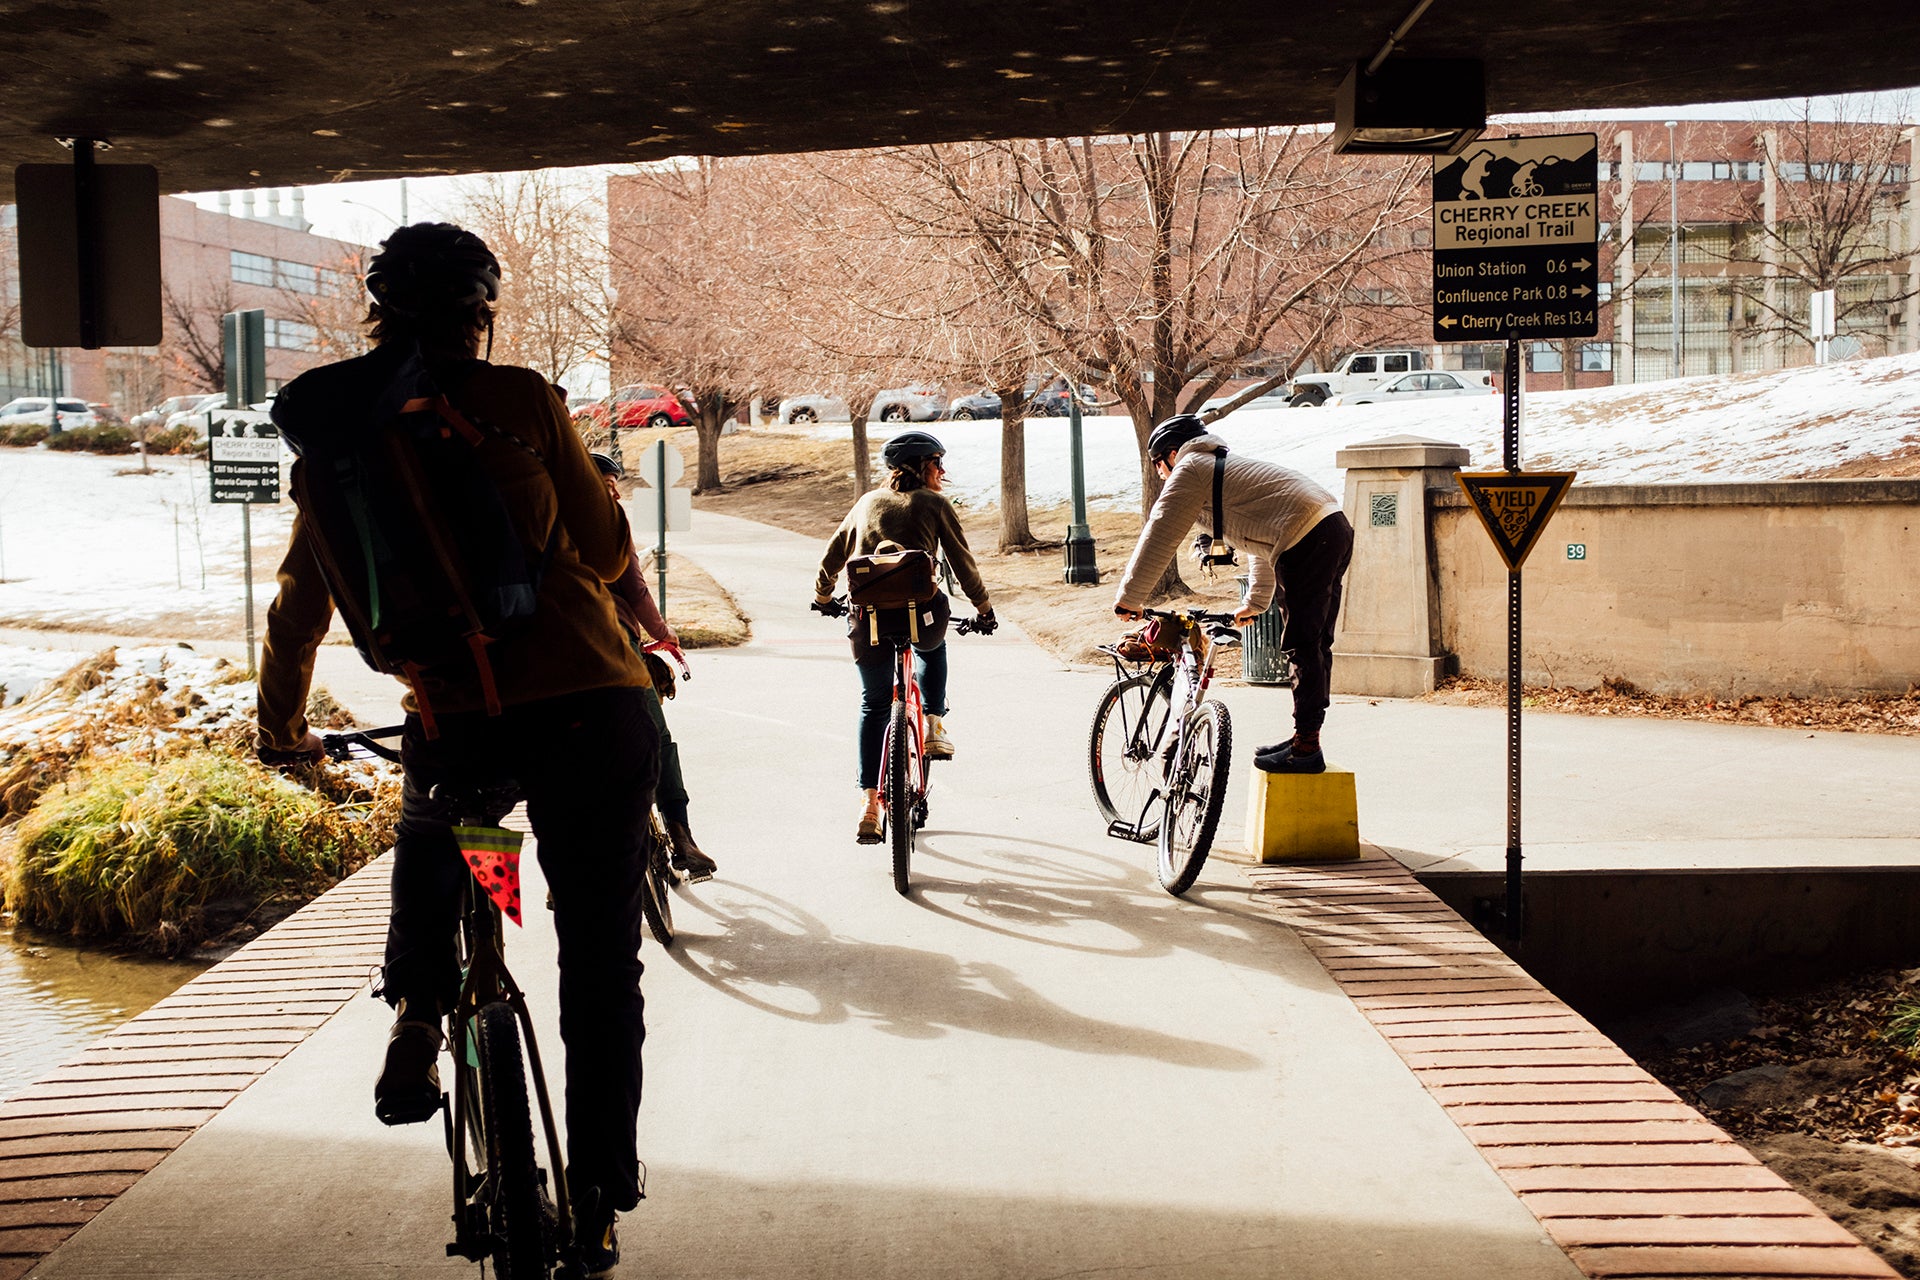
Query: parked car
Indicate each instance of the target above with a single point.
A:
(978, 405)
(647, 404)
(155, 418)
(1431, 385)
(1278, 398)
(919, 402)
(194, 413)
(53, 413)
(1047, 402)
(106, 414)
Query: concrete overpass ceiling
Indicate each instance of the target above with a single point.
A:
(248, 93)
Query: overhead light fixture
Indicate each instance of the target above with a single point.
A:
(1410, 106)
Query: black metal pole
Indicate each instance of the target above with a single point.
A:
(1510, 449)
(87, 242)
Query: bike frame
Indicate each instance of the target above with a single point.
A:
(1192, 678)
(907, 689)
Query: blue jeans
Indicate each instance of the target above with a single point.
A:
(875, 664)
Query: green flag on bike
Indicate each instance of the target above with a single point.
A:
(493, 853)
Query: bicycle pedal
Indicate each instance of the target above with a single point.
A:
(1121, 829)
(691, 878)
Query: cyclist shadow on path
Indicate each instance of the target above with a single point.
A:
(1054, 895)
(777, 958)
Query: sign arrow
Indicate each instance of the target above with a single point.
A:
(1581, 264)
(1447, 322)
(1581, 291)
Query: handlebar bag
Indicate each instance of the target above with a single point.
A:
(895, 580)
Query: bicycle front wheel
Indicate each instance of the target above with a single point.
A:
(519, 1222)
(1195, 792)
(900, 796)
(1124, 746)
(656, 904)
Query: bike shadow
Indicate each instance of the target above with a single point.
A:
(775, 956)
(1057, 890)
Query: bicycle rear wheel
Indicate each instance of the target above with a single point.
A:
(1195, 794)
(1123, 748)
(519, 1221)
(656, 903)
(900, 796)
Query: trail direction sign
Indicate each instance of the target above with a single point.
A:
(1515, 239)
(1515, 506)
(243, 456)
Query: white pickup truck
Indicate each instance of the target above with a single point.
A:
(1361, 371)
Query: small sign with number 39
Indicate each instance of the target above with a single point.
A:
(1576, 551)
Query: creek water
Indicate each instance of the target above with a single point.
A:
(59, 998)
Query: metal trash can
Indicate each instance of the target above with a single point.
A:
(1262, 660)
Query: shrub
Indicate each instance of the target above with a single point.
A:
(147, 851)
(103, 437)
(180, 439)
(21, 434)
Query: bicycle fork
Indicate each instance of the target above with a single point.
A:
(1138, 831)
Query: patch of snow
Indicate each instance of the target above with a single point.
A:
(24, 669)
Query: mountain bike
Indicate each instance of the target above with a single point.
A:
(503, 1209)
(904, 765)
(1160, 753)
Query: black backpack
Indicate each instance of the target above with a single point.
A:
(410, 530)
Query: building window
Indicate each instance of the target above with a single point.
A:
(252, 268)
(1608, 170)
(1699, 171)
(299, 277)
(1545, 358)
(1605, 293)
(291, 335)
(1747, 171)
(1896, 173)
(1793, 171)
(1650, 171)
(1596, 357)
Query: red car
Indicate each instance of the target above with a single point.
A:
(641, 405)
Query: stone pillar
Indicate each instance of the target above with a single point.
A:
(1388, 640)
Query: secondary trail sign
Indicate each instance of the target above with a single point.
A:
(1515, 239)
(1515, 506)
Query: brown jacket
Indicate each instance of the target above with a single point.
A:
(573, 641)
(919, 520)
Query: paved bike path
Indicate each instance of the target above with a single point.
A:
(1038, 1065)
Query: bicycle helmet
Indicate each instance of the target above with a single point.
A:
(1174, 432)
(608, 467)
(911, 446)
(432, 265)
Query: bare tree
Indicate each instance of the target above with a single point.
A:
(335, 307)
(192, 344)
(1825, 216)
(548, 229)
(686, 253)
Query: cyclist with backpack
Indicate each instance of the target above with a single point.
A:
(1295, 537)
(643, 622)
(449, 511)
(910, 513)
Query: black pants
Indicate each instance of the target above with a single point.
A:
(586, 763)
(1310, 574)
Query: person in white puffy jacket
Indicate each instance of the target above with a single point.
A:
(1296, 540)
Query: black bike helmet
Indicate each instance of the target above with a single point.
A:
(911, 446)
(608, 467)
(432, 265)
(1174, 432)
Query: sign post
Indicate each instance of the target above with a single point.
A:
(1516, 256)
(666, 508)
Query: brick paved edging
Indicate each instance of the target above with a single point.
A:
(79, 1136)
(1624, 1176)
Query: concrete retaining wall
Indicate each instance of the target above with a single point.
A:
(1806, 587)
(1796, 587)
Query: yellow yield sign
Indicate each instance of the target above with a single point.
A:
(1515, 506)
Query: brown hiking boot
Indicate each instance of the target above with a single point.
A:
(686, 856)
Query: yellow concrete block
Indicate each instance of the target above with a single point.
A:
(1302, 816)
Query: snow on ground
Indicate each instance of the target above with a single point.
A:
(24, 669)
(87, 543)
(1752, 427)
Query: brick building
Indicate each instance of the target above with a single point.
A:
(212, 262)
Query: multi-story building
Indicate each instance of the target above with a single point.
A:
(212, 262)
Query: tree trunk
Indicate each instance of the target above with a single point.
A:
(1015, 528)
(707, 426)
(862, 456)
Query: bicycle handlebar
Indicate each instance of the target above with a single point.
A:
(340, 746)
(672, 651)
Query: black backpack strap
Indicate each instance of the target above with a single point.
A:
(1219, 490)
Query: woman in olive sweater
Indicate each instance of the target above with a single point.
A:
(909, 512)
